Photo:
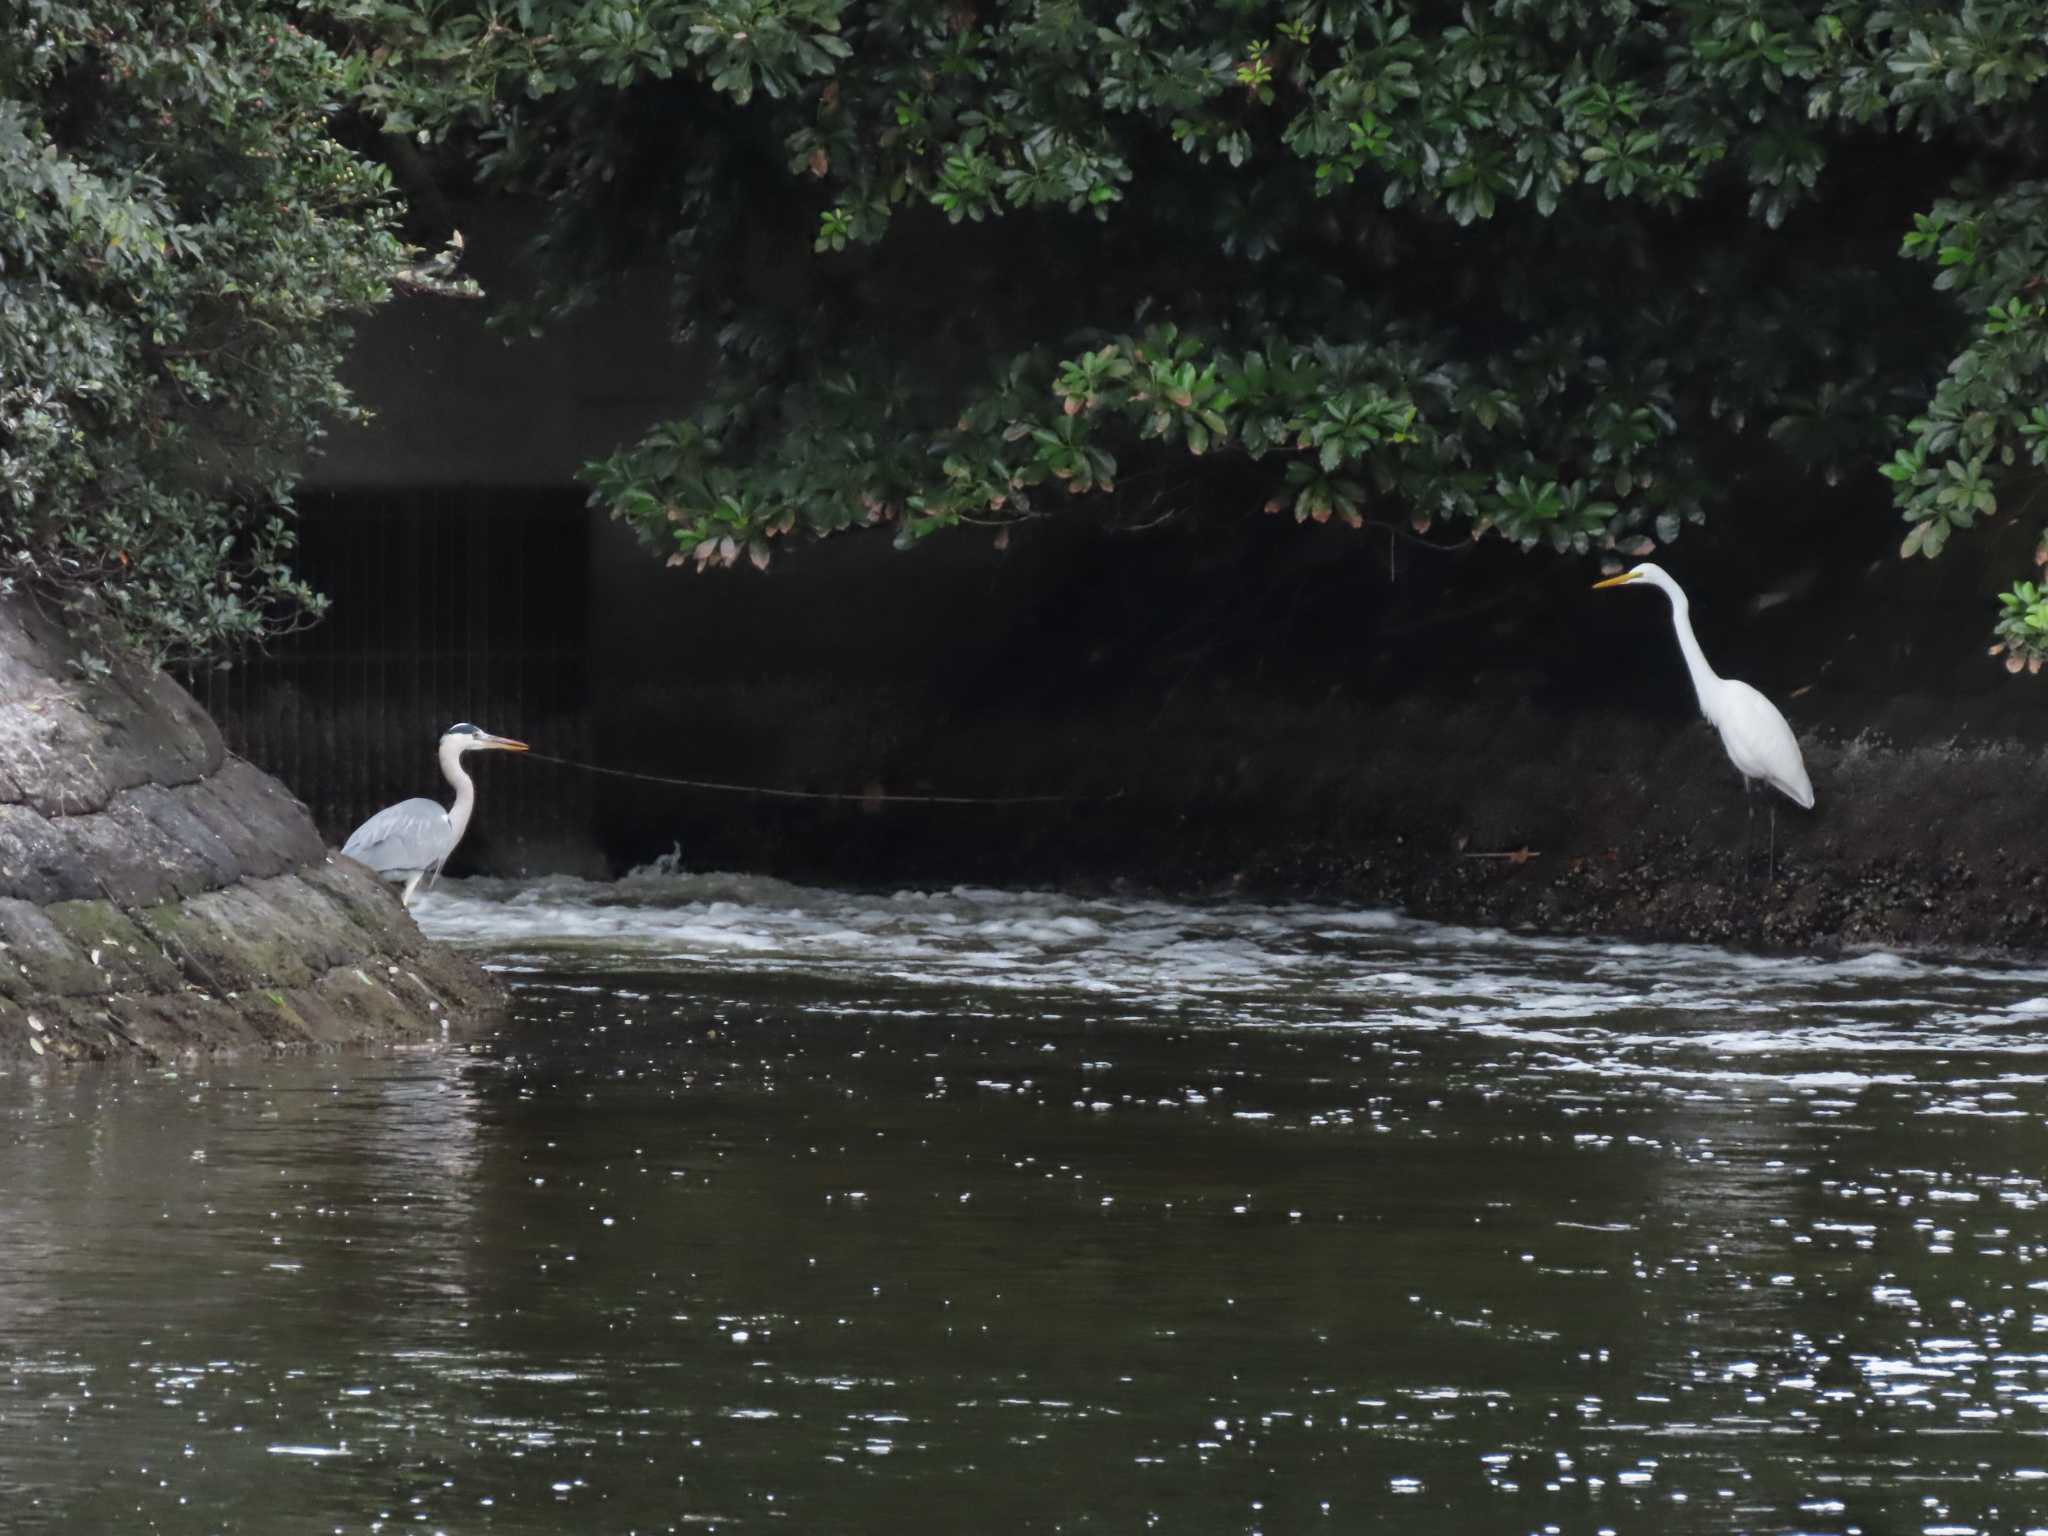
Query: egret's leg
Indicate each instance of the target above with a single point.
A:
(1749, 825)
(1771, 867)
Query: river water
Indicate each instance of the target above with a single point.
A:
(776, 1208)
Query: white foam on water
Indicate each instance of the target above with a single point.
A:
(1304, 967)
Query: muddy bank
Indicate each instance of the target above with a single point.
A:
(159, 896)
(1605, 825)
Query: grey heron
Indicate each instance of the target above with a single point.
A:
(408, 842)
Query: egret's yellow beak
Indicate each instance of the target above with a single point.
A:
(1615, 581)
(506, 744)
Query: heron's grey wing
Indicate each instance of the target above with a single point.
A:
(402, 840)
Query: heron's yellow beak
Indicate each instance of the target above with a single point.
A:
(507, 744)
(1615, 581)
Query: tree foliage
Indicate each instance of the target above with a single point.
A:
(182, 246)
(1572, 272)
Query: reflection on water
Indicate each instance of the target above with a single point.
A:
(991, 1211)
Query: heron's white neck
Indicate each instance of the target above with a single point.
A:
(1703, 676)
(465, 787)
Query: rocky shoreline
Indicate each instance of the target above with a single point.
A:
(160, 897)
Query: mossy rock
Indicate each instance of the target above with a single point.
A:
(161, 898)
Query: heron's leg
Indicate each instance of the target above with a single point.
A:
(405, 898)
(1771, 868)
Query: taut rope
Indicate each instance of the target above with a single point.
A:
(856, 796)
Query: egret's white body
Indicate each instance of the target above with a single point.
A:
(1758, 741)
(409, 841)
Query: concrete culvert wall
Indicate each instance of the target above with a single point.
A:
(160, 897)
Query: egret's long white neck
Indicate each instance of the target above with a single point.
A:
(465, 787)
(1703, 676)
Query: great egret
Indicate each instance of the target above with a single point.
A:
(1758, 741)
(409, 840)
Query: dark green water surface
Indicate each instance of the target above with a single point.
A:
(967, 1212)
